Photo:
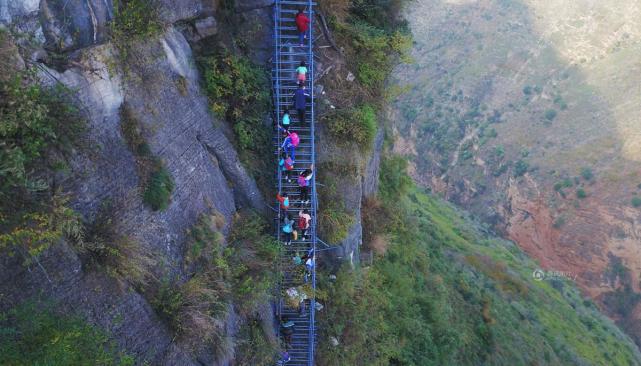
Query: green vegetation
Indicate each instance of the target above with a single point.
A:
(565, 183)
(580, 193)
(238, 91)
(252, 258)
(334, 220)
(133, 20)
(444, 293)
(156, 182)
(253, 347)
(242, 273)
(374, 38)
(586, 173)
(636, 202)
(38, 130)
(521, 167)
(357, 125)
(30, 119)
(101, 246)
(550, 114)
(35, 335)
(158, 191)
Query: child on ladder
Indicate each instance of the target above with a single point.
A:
(301, 72)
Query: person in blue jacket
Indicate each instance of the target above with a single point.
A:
(290, 142)
(300, 101)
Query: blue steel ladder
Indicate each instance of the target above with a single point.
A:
(287, 56)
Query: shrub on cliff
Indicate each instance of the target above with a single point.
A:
(374, 50)
(357, 125)
(238, 91)
(521, 167)
(158, 191)
(36, 335)
(102, 246)
(133, 20)
(39, 129)
(156, 182)
(240, 272)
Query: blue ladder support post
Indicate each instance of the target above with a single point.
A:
(312, 311)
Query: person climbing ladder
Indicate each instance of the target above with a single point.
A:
(290, 142)
(301, 72)
(303, 182)
(302, 23)
(286, 164)
(304, 220)
(300, 101)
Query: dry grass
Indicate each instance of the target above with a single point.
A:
(122, 257)
(337, 8)
(203, 314)
(499, 273)
(379, 244)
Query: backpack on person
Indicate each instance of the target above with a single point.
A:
(302, 181)
(302, 222)
(289, 164)
(294, 139)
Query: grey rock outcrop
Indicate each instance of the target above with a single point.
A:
(14, 10)
(172, 11)
(245, 5)
(94, 295)
(352, 189)
(161, 90)
(206, 27)
(68, 25)
(73, 24)
(372, 168)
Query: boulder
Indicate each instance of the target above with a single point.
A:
(206, 27)
(74, 24)
(13, 10)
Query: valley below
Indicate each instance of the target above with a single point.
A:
(528, 114)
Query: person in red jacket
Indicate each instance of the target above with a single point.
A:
(302, 23)
(284, 201)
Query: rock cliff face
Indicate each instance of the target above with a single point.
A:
(162, 93)
(68, 42)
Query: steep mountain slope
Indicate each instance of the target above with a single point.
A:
(445, 291)
(527, 112)
(153, 160)
(140, 241)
